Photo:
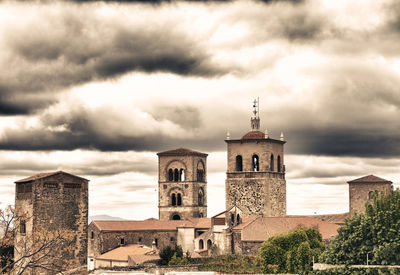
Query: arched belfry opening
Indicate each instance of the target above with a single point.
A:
(176, 174)
(170, 175)
(271, 164)
(255, 163)
(239, 163)
(182, 184)
(278, 163)
(201, 197)
(176, 217)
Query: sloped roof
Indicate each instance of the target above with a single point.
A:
(333, 218)
(182, 152)
(138, 253)
(369, 179)
(254, 135)
(261, 229)
(45, 175)
(151, 224)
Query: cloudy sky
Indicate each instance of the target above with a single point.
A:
(98, 88)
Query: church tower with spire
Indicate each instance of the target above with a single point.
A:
(255, 176)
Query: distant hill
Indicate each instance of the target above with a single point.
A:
(104, 218)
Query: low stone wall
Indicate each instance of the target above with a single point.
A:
(319, 266)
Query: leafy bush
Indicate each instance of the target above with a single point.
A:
(376, 232)
(231, 263)
(175, 260)
(291, 252)
(168, 252)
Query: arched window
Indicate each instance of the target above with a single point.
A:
(200, 175)
(182, 175)
(176, 217)
(232, 219)
(278, 163)
(237, 219)
(370, 195)
(176, 175)
(173, 199)
(209, 244)
(201, 244)
(239, 163)
(201, 197)
(201, 215)
(271, 165)
(179, 199)
(256, 163)
(170, 175)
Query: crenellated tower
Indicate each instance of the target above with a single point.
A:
(255, 177)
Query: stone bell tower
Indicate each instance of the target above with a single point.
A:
(182, 184)
(255, 177)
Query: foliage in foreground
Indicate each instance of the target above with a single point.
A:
(231, 263)
(292, 252)
(175, 260)
(356, 271)
(168, 252)
(376, 232)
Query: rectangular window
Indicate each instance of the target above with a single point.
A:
(92, 235)
(72, 185)
(50, 185)
(122, 241)
(22, 227)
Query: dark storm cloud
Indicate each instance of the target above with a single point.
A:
(188, 117)
(83, 46)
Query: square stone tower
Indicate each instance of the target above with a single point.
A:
(46, 205)
(362, 190)
(255, 177)
(182, 184)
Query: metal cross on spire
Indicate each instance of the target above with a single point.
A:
(256, 106)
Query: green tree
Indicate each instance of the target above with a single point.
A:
(168, 252)
(375, 233)
(291, 252)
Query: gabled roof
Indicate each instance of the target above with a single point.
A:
(182, 152)
(45, 175)
(138, 253)
(152, 224)
(261, 229)
(369, 179)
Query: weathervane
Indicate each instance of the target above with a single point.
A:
(256, 106)
(255, 121)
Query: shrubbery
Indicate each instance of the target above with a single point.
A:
(231, 263)
(376, 232)
(292, 252)
(168, 252)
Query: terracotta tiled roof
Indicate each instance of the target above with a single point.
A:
(45, 175)
(151, 224)
(333, 218)
(254, 135)
(262, 229)
(245, 222)
(201, 222)
(182, 152)
(369, 179)
(138, 253)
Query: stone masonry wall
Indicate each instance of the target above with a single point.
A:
(359, 194)
(189, 188)
(107, 241)
(59, 202)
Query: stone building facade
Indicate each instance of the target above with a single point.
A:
(49, 204)
(182, 184)
(255, 177)
(362, 190)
